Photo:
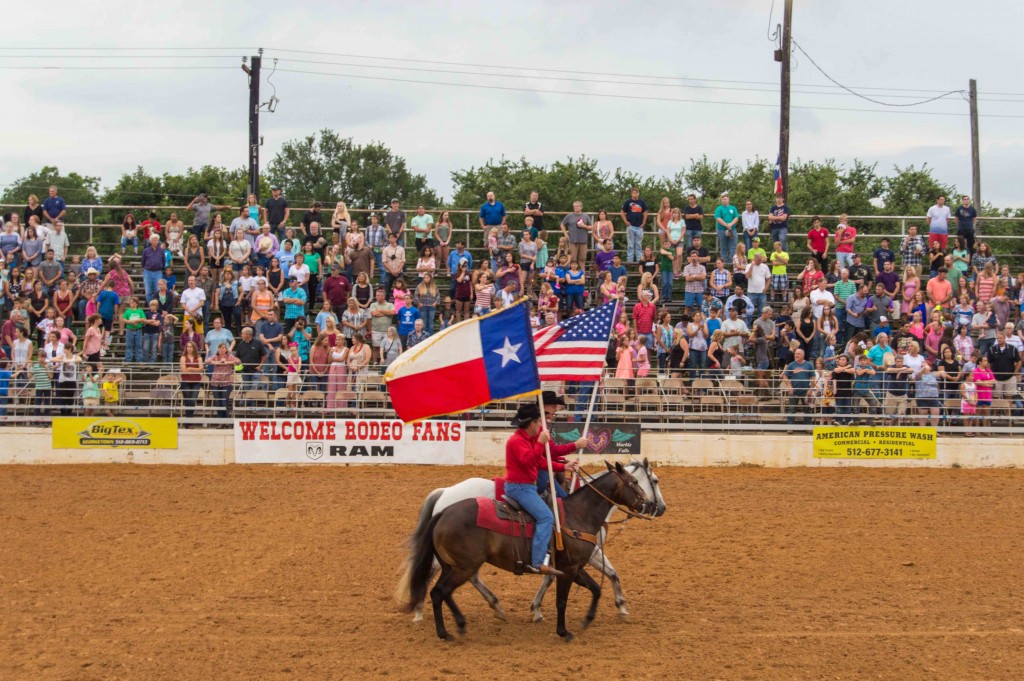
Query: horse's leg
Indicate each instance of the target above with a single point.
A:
(418, 612)
(585, 580)
(538, 616)
(599, 561)
(561, 600)
(489, 596)
(437, 597)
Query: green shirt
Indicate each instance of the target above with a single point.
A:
(843, 290)
(421, 225)
(40, 377)
(758, 251)
(382, 322)
(133, 313)
(780, 269)
(312, 261)
(727, 214)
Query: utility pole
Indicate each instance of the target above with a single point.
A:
(782, 56)
(254, 121)
(975, 151)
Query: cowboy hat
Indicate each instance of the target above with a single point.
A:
(526, 414)
(550, 397)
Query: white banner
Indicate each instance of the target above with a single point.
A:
(349, 441)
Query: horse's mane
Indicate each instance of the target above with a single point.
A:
(631, 466)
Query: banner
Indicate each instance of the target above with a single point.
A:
(87, 432)
(874, 443)
(602, 438)
(349, 441)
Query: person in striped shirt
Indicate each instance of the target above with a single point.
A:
(42, 380)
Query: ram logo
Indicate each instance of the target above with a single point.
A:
(314, 450)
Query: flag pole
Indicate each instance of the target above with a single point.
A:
(551, 474)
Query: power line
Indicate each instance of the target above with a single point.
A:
(112, 68)
(631, 97)
(865, 97)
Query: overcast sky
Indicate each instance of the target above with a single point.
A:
(106, 122)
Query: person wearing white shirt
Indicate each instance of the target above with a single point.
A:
(759, 278)
(938, 222)
(751, 221)
(300, 270)
(822, 299)
(57, 239)
(192, 300)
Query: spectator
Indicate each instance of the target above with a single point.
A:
(418, 335)
(742, 303)
(882, 255)
(191, 377)
(751, 222)
(492, 213)
(817, 244)
(223, 378)
(426, 300)
(846, 236)
(674, 233)
(393, 257)
(603, 258)
(574, 287)
(32, 248)
(423, 229)
(54, 208)
(879, 306)
(276, 211)
(32, 210)
(376, 240)
(381, 312)
(634, 214)
(966, 217)
(340, 218)
(734, 330)
(693, 215)
(129, 233)
(175, 231)
(110, 388)
(664, 267)
(778, 219)
(1005, 362)
(940, 291)
(133, 317)
(201, 209)
(534, 210)
(856, 312)
(797, 379)
(576, 227)
(167, 335)
(726, 219)
(312, 215)
(151, 331)
(643, 318)
(193, 299)
(271, 334)
(759, 278)
(912, 249)
(696, 278)
(390, 347)
(859, 274)
(153, 260)
(779, 259)
(937, 218)
(926, 393)
(57, 241)
(249, 353)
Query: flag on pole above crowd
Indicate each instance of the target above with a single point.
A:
(778, 175)
(467, 365)
(575, 348)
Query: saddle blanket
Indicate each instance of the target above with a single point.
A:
(489, 518)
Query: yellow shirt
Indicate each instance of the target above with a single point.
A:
(111, 391)
(779, 260)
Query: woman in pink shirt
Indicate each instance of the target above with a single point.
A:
(985, 380)
(985, 284)
(93, 341)
(933, 341)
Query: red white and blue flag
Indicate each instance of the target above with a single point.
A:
(778, 175)
(469, 364)
(574, 349)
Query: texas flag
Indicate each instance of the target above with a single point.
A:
(466, 365)
(778, 175)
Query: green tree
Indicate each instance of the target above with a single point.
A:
(333, 168)
(75, 189)
(913, 190)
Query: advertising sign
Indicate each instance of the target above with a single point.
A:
(349, 441)
(602, 438)
(87, 432)
(874, 443)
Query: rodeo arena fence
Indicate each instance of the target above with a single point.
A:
(666, 399)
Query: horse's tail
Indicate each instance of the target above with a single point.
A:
(412, 586)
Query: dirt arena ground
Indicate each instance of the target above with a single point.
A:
(135, 572)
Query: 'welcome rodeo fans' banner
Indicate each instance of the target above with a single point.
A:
(874, 443)
(349, 441)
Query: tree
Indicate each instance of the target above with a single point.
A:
(75, 189)
(333, 168)
(912, 191)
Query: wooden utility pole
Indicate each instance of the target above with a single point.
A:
(254, 122)
(975, 151)
(787, 46)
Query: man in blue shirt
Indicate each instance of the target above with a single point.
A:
(799, 373)
(617, 269)
(294, 299)
(407, 317)
(778, 218)
(856, 312)
(5, 385)
(106, 304)
(726, 217)
(634, 214)
(54, 206)
(492, 213)
(882, 255)
(966, 216)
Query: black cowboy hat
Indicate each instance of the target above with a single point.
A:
(550, 397)
(525, 414)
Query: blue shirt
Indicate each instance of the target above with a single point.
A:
(617, 272)
(292, 311)
(286, 258)
(215, 339)
(800, 380)
(727, 214)
(574, 282)
(780, 210)
(407, 317)
(5, 382)
(454, 257)
(492, 215)
(882, 256)
(107, 301)
(54, 206)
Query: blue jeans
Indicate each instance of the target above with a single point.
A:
(845, 259)
(526, 495)
(634, 243)
(726, 245)
(666, 287)
(583, 390)
(544, 485)
(692, 299)
(167, 353)
(748, 240)
(698, 361)
(149, 341)
(133, 346)
(758, 302)
(780, 234)
(427, 314)
(222, 397)
(134, 241)
(149, 282)
(573, 300)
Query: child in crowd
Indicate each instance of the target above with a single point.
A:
(90, 390)
(111, 390)
(401, 295)
(969, 402)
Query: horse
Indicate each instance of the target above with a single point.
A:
(443, 497)
(461, 547)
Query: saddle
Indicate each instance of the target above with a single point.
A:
(508, 518)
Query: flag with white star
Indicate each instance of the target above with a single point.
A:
(466, 365)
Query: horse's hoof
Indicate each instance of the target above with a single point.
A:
(586, 622)
(499, 612)
(538, 616)
(462, 629)
(623, 613)
(447, 637)
(567, 636)
(417, 618)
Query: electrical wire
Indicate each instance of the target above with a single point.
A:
(630, 97)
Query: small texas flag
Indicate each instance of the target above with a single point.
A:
(778, 175)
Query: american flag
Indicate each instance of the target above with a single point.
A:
(574, 349)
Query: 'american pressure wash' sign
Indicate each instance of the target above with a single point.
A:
(349, 441)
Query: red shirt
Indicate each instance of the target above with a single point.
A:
(643, 317)
(845, 234)
(524, 457)
(819, 239)
(150, 227)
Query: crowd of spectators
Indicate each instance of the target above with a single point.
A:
(312, 299)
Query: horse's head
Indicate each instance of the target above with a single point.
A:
(648, 481)
(626, 491)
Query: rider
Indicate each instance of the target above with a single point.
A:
(552, 401)
(523, 458)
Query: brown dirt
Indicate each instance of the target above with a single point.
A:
(135, 572)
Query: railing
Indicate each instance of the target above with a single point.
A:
(669, 400)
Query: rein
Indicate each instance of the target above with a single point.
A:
(588, 480)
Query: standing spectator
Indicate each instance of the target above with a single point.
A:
(846, 236)
(201, 209)
(693, 215)
(153, 259)
(492, 213)
(33, 210)
(294, 299)
(576, 227)
(695, 277)
(912, 249)
(856, 312)
(751, 221)
(57, 241)
(643, 317)
(393, 257)
(858, 273)
(223, 378)
(534, 209)
(940, 291)
(938, 222)
(337, 288)
(247, 224)
(780, 276)
(54, 208)
(926, 394)
(879, 307)
(759, 278)
(817, 242)
(381, 312)
(133, 321)
(882, 255)
(634, 214)
(966, 217)
(778, 219)
(726, 219)
(193, 299)
(1005, 361)
(423, 228)
(312, 215)
(797, 379)
(151, 331)
(250, 354)
(277, 212)
(191, 377)
(735, 330)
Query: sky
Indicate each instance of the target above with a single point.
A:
(107, 122)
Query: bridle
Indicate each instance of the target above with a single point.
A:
(588, 480)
